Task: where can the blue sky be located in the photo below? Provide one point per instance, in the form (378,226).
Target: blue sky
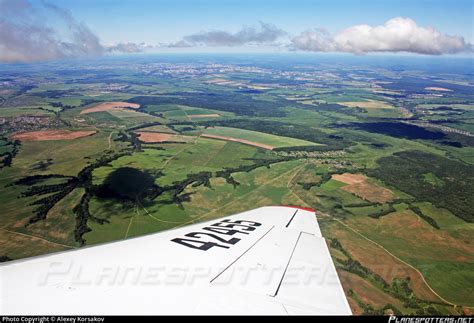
(38,30)
(153,21)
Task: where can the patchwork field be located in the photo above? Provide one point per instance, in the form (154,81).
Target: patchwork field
(155,137)
(108,106)
(51,135)
(242,141)
(198,116)
(368,104)
(359,185)
(253,138)
(384,155)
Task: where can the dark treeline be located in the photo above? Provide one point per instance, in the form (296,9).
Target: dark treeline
(202,178)
(144,125)
(399,287)
(238,103)
(81,210)
(332,142)
(34,179)
(308,185)
(132,138)
(334,107)
(406,171)
(425,217)
(226,173)
(7,157)
(368,309)
(47,203)
(398,130)
(383,212)
(56,192)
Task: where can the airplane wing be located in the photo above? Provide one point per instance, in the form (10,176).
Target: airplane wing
(271,260)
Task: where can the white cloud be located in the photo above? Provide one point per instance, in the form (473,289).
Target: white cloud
(128,47)
(27,34)
(396,35)
(264,34)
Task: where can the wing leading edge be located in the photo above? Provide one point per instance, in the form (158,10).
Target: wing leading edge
(271,260)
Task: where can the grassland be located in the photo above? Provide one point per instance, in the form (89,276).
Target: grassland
(401,238)
(254,136)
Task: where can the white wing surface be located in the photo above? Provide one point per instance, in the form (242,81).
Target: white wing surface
(271,260)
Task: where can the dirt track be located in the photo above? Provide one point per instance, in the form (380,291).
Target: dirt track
(242,141)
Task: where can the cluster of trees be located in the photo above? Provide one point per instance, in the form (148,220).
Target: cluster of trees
(383,212)
(62,106)
(334,107)
(226,173)
(406,170)
(399,130)
(47,203)
(56,192)
(84,179)
(7,157)
(81,210)
(355,267)
(425,217)
(399,288)
(338,246)
(132,138)
(370,310)
(144,125)
(238,103)
(198,179)
(308,185)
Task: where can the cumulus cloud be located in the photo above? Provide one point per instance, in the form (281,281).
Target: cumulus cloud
(27,34)
(179,44)
(128,47)
(396,35)
(264,34)
(82,40)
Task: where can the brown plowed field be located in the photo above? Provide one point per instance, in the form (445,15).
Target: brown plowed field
(358,185)
(150,137)
(52,135)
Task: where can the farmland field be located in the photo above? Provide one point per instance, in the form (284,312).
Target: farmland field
(93,155)
(254,136)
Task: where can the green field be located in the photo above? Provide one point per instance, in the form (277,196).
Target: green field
(254,136)
(411,254)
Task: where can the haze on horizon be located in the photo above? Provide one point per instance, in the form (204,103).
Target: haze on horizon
(40,30)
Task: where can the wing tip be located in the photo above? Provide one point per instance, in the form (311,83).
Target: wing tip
(299,207)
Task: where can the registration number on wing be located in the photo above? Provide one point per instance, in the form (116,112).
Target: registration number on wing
(222,234)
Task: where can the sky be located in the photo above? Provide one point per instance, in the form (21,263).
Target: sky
(168,20)
(100,27)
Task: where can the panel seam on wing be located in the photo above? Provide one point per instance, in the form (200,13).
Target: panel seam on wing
(233,262)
